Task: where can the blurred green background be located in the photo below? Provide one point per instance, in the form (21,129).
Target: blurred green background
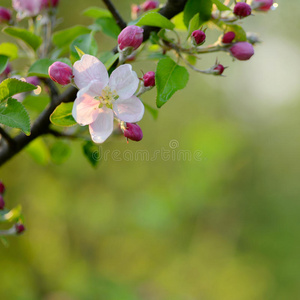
(224,226)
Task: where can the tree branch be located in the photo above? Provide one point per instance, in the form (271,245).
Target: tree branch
(119,20)
(7,137)
(41,125)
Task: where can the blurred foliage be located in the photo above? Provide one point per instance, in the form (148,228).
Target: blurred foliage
(222,226)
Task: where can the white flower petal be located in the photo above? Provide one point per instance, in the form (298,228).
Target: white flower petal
(129,110)
(85,108)
(95,88)
(103,126)
(124,81)
(87,69)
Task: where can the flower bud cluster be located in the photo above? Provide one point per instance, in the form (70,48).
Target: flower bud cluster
(137,10)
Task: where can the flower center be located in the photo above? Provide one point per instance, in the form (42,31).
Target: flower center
(107,97)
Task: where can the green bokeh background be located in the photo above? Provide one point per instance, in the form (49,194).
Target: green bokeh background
(223,226)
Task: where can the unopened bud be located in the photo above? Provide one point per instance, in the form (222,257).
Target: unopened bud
(198,37)
(60,73)
(149,79)
(135,11)
(219,69)
(148,5)
(262,5)
(131,36)
(49,3)
(242,10)
(2,188)
(33,80)
(2,203)
(19,228)
(5,15)
(27,8)
(133,132)
(228,37)
(242,50)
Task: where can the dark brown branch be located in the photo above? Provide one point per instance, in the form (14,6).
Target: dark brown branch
(9,140)
(41,125)
(119,20)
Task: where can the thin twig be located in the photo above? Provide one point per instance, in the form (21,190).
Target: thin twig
(120,22)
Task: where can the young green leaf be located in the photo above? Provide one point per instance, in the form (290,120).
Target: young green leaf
(60,151)
(151,110)
(155,19)
(3,62)
(194,24)
(12,86)
(108,26)
(86,43)
(11,215)
(62,116)
(111,61)
(14,114)
(220,5)
(169,78)
(92,153)
(192,7)
(26,36)
(97,12)
(10,50)
(65,37)
(39,151)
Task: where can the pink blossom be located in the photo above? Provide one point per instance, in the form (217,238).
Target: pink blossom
(27,8)
(198,37)
(228,37)
(149,4)
(133,132)
(242,50)
(149,79)
(131,36)
(5,15)
(60,73)
(242,9)
(100,99)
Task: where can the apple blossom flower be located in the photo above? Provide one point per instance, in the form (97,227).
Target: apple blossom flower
(60,73)
(133,132)
(131,36)
(27,8)
(149,79)
(100,99)
(149,5)
(198,37)
(228,37)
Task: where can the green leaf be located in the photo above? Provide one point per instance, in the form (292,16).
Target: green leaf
(111,61)
(26,36)
(169,78)
(155,19)
(62,116)
(60,151)
(39,151)
(220,5)
(92,153)
(86,43)
(79,51)
(203,7)
(11,215)
(97,12)
(108,26)
(194,24)
(151,110)
(65,37)
(3,62)
(10,50)
(178,21)
(14,114)
(12,86)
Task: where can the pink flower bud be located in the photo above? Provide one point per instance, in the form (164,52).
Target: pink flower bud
(242,50)
(2,188)
(242,9)
(133,132)
(131,36)
(5,15)
(263,5)
(2,203)
(49,3)
(27,8)
(228,37)
(148,5)
(60,73)
(149,79)
(19,228)
(219,69)
(33,80)
(198,37)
